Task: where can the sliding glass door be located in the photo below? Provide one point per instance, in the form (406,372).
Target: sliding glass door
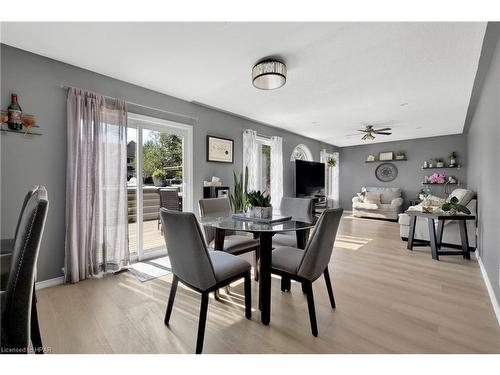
(159,173)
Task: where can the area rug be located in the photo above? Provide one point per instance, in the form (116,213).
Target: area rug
(151,269)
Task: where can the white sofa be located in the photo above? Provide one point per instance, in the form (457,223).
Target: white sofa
(451,232)
(390,206)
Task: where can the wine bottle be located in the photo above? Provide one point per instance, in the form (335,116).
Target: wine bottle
(15,114)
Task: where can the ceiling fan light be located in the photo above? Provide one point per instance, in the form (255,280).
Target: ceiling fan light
(269,75)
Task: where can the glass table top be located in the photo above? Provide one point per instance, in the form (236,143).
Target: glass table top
(227,222)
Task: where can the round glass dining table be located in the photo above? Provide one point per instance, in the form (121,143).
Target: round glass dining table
(264,232)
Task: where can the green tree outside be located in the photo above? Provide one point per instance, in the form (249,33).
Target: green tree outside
(162,152)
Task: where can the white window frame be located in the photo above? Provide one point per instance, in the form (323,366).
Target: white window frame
(305,149)
(261,141)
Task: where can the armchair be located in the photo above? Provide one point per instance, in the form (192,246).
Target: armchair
(388,206)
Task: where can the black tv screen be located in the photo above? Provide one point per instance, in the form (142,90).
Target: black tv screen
(309,178)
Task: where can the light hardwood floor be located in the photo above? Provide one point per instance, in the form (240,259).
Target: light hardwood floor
(389,300)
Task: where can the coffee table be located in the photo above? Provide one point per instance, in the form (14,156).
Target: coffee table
(435,239)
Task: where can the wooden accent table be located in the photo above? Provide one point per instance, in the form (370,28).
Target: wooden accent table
(435,239)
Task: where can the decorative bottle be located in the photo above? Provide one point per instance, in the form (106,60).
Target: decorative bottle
(15,114)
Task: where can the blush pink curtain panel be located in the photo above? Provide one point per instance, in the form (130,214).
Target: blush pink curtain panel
(96,186)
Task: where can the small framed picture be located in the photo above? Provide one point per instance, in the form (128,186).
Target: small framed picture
(220,150)
(388,155)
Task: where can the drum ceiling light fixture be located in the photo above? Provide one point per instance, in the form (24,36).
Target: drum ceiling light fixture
(269,74)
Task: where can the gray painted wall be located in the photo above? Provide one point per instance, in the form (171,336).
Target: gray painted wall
(355,173)
(483,175)
(42,160)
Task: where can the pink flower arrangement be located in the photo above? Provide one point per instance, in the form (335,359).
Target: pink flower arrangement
(437,178)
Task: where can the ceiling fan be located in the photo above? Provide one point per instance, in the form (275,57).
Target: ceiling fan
(370,131)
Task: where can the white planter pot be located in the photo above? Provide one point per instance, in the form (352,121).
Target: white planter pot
(261,212)
(440,165)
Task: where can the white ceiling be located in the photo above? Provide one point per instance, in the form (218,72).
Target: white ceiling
(341,76)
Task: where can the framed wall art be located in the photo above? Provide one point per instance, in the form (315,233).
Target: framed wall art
(220,150)
(384,156)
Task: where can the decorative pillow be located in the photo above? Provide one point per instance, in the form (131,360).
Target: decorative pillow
(372,197)
(361,196)
(388,194)
(464,196)
(432,200)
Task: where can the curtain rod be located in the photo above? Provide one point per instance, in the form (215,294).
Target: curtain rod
(263,136)
(195,119)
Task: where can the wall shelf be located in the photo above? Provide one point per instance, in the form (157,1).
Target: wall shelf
(24,130)
(385,161)
(457,167)
(431,183)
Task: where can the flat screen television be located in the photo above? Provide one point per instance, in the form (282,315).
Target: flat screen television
(309,178)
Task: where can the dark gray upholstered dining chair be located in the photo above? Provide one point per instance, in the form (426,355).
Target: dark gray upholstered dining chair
(300,209)
(7,244)
(196,267)
(309,264)
(234,243)
(16,301)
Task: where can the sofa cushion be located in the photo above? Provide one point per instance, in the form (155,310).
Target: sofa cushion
(388,207)
(372,197)
(464,196)
(387,194)
(364,206)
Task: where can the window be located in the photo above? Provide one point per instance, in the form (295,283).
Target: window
(264,163)
(301,152)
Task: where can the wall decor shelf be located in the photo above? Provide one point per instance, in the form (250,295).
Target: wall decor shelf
(384,161)
(432,183)
(23,131)
(456,167)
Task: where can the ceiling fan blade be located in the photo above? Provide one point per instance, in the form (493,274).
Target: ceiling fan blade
(363,131)
(382,130)
(383,133)
(351,135)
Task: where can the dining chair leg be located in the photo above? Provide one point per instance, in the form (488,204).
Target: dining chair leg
(36,337)
(171,298)
(248,296)
(310,304)
(202,322)
(286,284)
(328,282)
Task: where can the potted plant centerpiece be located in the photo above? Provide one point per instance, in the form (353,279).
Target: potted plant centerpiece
(159,178)
(259,204)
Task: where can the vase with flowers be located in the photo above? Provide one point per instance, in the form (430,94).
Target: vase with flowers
(437,178)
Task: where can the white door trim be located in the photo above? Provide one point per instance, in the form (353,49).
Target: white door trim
(185,131)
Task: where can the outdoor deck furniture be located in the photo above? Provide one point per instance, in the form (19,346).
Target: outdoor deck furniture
(169,199)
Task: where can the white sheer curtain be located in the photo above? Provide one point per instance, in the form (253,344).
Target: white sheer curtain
(250,158)
(96,186)
(332,187)
(276,172)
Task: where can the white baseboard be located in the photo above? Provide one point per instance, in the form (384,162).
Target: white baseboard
(48,283)
(491,292)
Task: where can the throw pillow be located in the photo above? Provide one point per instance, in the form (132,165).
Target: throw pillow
(464,196)
(372,197)
(432,200)
(361,196)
